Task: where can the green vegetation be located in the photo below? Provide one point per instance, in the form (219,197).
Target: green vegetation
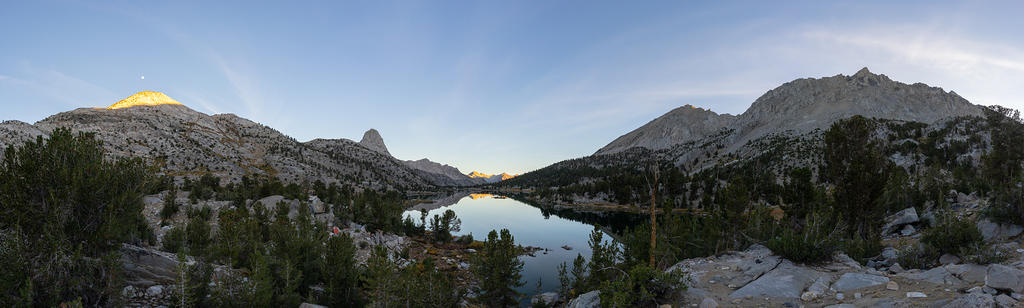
(64,210)
(170,206)
(497,269)
(854,165)
(443,226)
(952,235)
(1003,165)
(621,284)
(815,241)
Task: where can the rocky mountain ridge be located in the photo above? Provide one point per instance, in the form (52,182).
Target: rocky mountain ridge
(801,106)
(488,178)
(441,174)
(185,142)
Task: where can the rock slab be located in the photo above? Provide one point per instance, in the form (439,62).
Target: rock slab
(853,281)
(1002,277)
(785,281)
(590,299)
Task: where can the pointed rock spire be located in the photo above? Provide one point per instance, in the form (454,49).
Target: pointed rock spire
(863,72)
(373,141)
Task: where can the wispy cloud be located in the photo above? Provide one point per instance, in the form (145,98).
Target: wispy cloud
(951,53)
(984,72)
(70,90)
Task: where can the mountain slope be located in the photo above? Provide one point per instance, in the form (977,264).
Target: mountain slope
(439,174)
(186,142)
(687,123)
(801,106)
(781,131)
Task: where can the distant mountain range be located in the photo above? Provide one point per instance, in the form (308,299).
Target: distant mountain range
(491,178)
(801,106)
(694,138)
(183,142)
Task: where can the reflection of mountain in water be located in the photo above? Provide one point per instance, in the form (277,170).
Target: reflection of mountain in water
(615,222)
(439,202)
(478,196)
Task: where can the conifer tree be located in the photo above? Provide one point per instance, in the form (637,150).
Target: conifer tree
(497,269)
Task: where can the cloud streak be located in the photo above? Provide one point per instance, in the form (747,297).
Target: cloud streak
(70,90)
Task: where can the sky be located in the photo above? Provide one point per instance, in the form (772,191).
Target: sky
(492,86)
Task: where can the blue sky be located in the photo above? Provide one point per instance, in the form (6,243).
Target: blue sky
(492,86)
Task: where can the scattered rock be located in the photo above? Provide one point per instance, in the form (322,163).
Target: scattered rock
(308,305)
(947,259)
(938,275)
(896,268)
(892,285)
(590,299)
(317,205)
(708,303)
(907,230)
(993,231)
(1003,277)
(894,221)
(817,289)
(853,281)
(971,300)
(916,295)
(844,259)
(547,298)
(841,306)
(989,290)
(155,291)
(971,273)
(1005,301)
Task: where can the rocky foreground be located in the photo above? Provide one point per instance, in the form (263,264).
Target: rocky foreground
(758,278)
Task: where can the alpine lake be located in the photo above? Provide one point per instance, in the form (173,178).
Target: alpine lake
(561,235)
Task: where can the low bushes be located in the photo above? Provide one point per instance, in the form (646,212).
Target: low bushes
(952,235)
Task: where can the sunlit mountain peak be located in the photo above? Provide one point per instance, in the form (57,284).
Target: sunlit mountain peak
(145,98)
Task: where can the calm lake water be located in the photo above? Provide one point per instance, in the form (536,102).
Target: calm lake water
(530,227)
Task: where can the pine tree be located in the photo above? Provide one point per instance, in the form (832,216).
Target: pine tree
(497,269)
(379,277)
(341,274)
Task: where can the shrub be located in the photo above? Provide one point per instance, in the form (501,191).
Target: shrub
(170,206)
(951,234)
(174,240)
(202,213)
(917,257)
(815,242)
(861,249)
(979,254)
(641,287)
